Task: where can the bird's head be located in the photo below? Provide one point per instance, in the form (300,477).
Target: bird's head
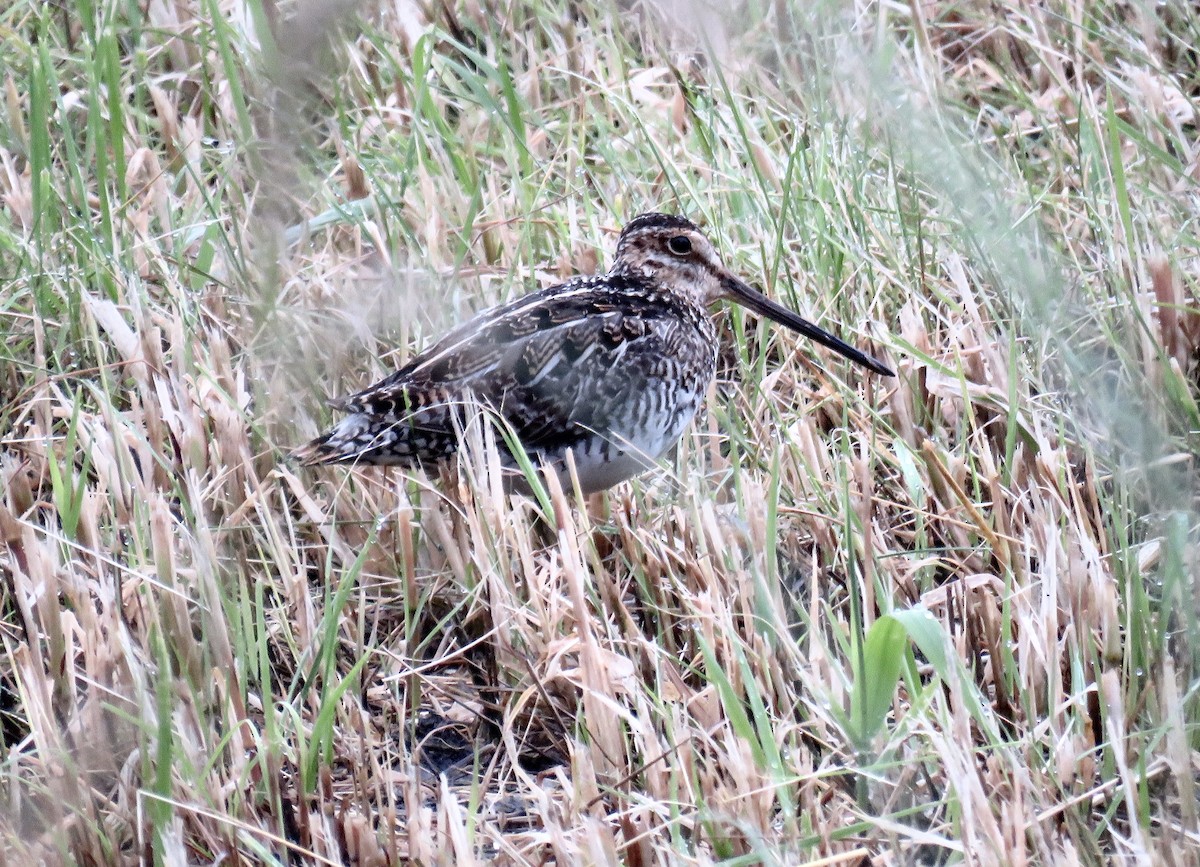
(672,253)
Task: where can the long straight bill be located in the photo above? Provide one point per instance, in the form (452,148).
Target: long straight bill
(764,306)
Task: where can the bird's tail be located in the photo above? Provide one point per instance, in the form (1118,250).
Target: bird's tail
(318,451)
(358,438)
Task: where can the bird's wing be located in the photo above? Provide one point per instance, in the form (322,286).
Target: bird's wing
(554,364)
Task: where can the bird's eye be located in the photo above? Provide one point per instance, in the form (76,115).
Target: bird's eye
(680,245)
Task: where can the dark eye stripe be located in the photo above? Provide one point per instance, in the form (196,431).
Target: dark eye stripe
(680,245)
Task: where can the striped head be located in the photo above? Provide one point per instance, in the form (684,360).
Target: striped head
(672,254)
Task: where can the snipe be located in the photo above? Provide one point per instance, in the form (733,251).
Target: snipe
(612,367)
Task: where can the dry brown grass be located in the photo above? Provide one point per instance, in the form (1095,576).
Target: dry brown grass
(950,617)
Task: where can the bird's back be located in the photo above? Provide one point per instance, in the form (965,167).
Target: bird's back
(611,367)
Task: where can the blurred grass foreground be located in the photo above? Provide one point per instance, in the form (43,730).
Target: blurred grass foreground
(945,618)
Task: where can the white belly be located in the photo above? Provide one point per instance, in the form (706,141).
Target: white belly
(605,461)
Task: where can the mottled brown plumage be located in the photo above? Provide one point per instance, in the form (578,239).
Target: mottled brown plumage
(612,367)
